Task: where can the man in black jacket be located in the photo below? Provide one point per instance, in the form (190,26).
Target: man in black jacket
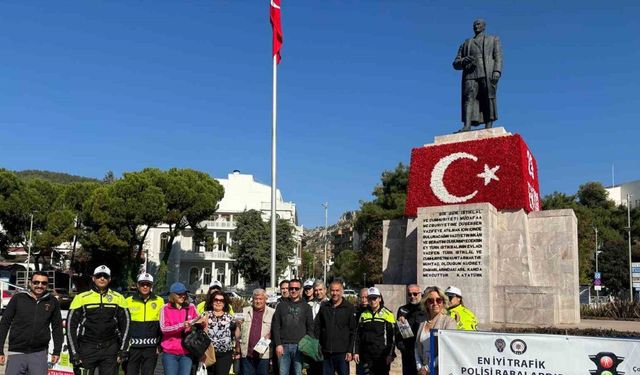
(411,314)
(335,327)
(29,315)
(291,322)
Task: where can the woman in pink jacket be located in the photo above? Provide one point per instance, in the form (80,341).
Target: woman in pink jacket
(175,319)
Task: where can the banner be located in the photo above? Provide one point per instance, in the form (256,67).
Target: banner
(64,366)
(488,353)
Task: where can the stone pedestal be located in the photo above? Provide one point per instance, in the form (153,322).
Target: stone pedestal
(512,267)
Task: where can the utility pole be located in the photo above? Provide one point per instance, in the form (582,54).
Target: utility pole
(326,208)
(597,253)
(29,251)
(629,236)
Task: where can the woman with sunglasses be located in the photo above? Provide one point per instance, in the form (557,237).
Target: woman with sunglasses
(434,302)
(175,319)
(221,328)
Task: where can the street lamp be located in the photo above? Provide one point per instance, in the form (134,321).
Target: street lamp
(29,246)
(629,236)
(597,287)
(326,207)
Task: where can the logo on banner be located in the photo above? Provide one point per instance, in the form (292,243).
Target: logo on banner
(606,363)
(518,346)
(500,344)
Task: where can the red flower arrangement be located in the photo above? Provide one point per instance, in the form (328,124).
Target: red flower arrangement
(501,171)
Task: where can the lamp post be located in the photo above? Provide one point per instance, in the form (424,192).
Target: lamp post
(326,207)
(29,246)
(629,237)
(597,253)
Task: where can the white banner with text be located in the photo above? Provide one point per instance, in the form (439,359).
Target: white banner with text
(489,353)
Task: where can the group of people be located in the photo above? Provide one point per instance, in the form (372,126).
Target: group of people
(310,326)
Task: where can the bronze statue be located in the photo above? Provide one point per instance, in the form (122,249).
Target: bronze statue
(480,59)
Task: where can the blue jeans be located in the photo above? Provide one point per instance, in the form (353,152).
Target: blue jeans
(254,366)
(291,355)
(176,364)
(335,362)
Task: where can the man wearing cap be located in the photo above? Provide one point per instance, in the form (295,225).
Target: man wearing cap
(98,327)
(27,319)
(465,318)
(412,314)
(144,308)
(291,322)
(375,336)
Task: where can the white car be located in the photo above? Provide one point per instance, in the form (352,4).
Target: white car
(350,293)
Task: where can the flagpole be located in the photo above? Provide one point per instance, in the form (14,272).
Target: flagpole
(273,174)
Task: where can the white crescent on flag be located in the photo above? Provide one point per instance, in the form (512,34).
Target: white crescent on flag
(437,177)
(273,4)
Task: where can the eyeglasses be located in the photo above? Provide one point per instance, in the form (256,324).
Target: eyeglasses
(414,294)
(433,301)
(102,276)
(218,300)
(294,288)
(144,285)
(38,282)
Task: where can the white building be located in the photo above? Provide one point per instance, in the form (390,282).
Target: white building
(618,193)
(198,264)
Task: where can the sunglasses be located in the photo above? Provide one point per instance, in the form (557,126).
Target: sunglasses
(147,285)
(371,298)
(414,294)
(294,288)
(102,276)
(433,301)
(37,282)
(218,300)
(181,295)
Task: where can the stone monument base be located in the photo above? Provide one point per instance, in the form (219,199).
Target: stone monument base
(512,267)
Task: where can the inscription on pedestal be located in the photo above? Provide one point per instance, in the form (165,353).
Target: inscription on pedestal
(452,244)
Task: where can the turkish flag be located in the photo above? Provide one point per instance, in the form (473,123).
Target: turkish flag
(276,26)
(500,170)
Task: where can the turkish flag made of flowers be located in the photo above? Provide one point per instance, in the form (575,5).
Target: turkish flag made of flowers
(500,170)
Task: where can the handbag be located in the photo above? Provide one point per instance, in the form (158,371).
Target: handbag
(195,341)
(210,356)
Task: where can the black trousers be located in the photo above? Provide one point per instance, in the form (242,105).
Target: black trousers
(222,365)
(101,356)
(142,361)
(376,366)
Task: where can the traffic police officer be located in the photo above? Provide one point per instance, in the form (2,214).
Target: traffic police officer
(465,318)
(144,308)
(98,327)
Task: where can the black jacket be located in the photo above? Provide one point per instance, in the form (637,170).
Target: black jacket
(335,327)
(291,322)
(30,321)
(414,315)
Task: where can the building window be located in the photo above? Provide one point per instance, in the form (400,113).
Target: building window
(220,273)
(234,277)
(206,276)
(194,275)
(164,241)
(222,242)
(209,243)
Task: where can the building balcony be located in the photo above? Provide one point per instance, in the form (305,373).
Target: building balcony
(216,224)
(205,255)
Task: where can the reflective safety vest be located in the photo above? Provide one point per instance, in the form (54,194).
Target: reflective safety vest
(465,318)
(145,317)
(375,336)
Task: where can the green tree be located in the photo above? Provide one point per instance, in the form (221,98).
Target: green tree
(593,195)
(251,247)
(190,197)
(347,265)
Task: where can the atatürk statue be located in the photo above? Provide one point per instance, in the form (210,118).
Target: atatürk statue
(480,59)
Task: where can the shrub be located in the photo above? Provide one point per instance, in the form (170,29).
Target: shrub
(622,310)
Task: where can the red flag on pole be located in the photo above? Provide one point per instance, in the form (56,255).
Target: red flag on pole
(276,25)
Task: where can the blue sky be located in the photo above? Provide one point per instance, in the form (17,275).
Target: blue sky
(92,86)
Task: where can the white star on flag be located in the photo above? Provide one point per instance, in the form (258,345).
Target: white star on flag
(489,174)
